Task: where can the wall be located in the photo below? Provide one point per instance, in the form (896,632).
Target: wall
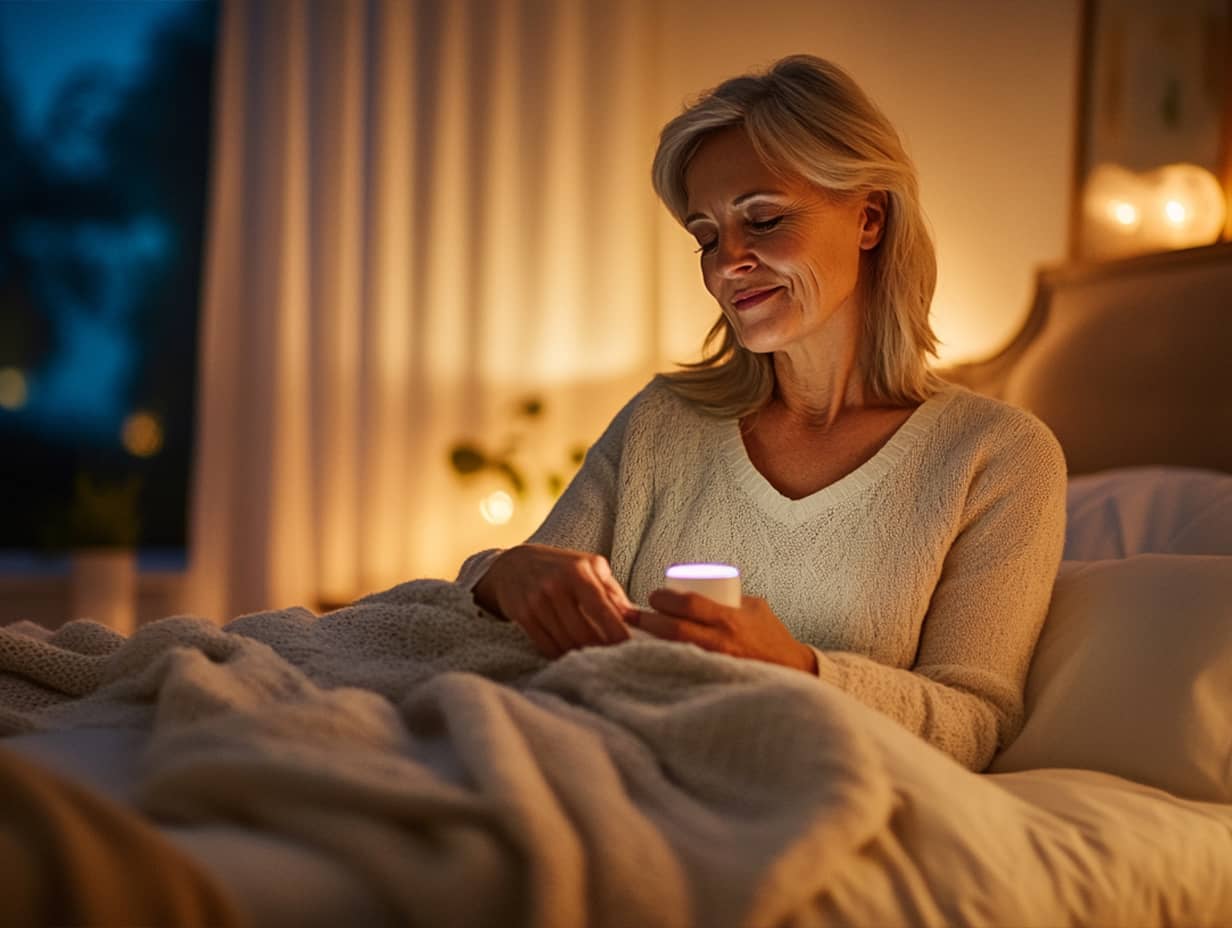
(984,94)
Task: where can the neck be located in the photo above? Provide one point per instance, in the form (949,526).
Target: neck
(817,395)
(816,382)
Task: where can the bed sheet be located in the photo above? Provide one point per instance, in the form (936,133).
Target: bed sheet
(1148,510)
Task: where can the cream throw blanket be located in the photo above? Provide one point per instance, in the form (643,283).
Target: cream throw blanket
(470,782)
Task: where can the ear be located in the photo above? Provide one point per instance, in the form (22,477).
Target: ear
(872,219)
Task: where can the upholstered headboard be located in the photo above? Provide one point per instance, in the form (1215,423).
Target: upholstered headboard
(1129,362)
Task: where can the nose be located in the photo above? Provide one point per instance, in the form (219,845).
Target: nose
(733,257)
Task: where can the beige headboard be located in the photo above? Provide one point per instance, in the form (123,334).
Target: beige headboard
(1129,362)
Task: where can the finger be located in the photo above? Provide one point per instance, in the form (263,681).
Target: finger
(540,614)
(594,590)
(542,641)
(567,622)
(614,630)
(613,606)
(591,621)
(597,615)
(616,593)
(603,615)
(689,605)
(558,610)
(557,623)
(674,628)
(619,604)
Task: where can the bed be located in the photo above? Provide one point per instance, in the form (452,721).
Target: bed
(304,770)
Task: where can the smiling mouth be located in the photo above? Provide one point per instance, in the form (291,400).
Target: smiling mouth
(749,300)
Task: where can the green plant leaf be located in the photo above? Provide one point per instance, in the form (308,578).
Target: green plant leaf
(516,480)
(467,459)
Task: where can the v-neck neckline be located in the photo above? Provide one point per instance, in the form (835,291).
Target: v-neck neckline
(795,511)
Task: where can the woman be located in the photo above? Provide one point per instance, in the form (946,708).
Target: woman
(898,536)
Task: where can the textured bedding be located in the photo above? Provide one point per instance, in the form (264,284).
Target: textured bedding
(427,749)
(71,857)
(1148,510)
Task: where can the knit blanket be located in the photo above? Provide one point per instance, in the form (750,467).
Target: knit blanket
(468,781)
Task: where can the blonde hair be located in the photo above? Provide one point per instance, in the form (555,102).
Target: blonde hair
(806,116)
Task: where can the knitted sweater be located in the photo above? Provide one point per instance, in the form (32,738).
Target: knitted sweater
(922,578)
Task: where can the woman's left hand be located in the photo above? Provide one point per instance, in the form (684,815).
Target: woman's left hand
(752,630)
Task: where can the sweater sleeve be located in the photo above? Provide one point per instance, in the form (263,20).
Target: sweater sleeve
(584,517)
(964,693)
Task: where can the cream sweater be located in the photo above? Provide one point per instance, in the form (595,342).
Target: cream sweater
(922,578)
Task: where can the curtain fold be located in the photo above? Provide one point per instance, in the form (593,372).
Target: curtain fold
(420,213)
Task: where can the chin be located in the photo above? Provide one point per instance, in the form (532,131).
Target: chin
(762,340)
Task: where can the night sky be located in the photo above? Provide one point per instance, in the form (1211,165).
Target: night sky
(104,157)
(44,42)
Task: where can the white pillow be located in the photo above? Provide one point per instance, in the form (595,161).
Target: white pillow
(1148,510)
(1133,675)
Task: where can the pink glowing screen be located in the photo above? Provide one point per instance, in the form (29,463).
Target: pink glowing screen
(702,571)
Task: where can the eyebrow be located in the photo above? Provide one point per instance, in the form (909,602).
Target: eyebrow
(736,202)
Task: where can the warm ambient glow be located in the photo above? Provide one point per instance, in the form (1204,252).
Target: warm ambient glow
(12,388)
(142,435)
(702,572)
(496,508)
(1174,206)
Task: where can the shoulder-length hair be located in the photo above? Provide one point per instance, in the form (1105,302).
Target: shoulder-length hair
(805,116)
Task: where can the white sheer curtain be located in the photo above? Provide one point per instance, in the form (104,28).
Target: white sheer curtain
(420,212)
(424,209)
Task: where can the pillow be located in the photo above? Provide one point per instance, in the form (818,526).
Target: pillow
(1148,510)
(1133,675)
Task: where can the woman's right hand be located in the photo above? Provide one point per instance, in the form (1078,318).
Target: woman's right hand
(562,599)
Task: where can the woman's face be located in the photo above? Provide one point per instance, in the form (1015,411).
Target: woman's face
(781,256)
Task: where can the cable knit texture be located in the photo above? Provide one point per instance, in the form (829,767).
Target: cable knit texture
(922,578)
(469,781)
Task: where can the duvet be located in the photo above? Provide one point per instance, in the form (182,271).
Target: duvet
(467,781)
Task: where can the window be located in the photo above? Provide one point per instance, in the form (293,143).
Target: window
(104,154)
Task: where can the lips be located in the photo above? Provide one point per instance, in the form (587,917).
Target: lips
(747,299)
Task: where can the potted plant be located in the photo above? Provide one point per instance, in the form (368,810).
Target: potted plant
(99,530)
(513,464)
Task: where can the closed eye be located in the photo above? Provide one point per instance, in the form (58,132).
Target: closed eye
(765,225)
(759,226)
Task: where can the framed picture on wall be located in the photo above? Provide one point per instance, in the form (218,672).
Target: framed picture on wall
(1154,143)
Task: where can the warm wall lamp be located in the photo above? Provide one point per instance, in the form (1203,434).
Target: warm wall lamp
(1153,165)
(1174,206)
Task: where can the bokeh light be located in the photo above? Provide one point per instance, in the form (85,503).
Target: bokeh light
(496,508)
(12,388)
(142,435)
